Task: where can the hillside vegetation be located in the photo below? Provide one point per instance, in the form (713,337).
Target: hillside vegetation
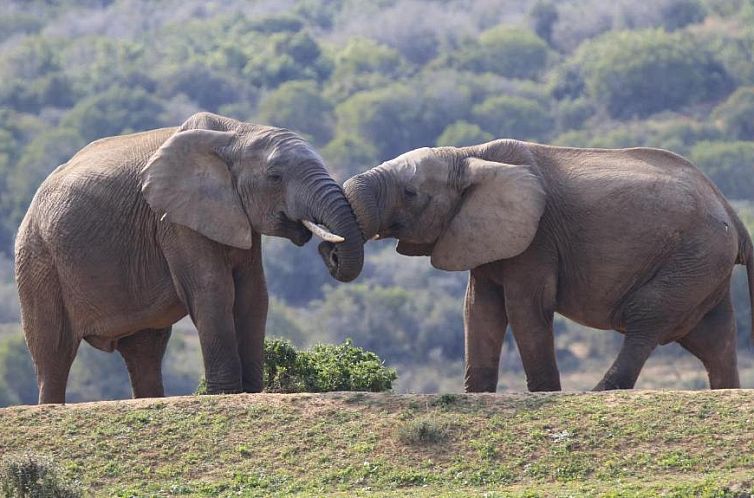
(365,81)
(609,444)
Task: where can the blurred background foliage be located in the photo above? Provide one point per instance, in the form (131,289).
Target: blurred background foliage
(366,81)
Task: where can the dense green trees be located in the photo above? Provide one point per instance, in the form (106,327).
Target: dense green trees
(635,74)
(300,106)
(510,52)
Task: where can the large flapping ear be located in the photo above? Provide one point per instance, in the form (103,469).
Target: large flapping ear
(188,182)
(498,217)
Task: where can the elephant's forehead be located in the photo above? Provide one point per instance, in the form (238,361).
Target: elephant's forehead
(418,166)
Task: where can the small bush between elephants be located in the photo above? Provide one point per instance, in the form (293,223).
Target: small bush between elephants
(325,368)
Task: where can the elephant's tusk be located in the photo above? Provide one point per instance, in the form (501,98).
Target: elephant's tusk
(376,237)
(322,232)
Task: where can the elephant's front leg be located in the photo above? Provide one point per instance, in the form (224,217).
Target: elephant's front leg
(250,314)
(530,304)
(485,322)
(203,279)
(213,317)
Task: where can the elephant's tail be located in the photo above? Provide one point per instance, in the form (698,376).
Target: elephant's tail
(750,272)
(746,257)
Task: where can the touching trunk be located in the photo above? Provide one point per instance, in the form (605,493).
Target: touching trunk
(326,204)
(362,194)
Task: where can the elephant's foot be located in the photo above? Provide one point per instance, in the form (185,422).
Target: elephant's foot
(481,379)
(547,385)
(223,389)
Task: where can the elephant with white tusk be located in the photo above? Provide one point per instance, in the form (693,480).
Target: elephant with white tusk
(636,240)
(136,231)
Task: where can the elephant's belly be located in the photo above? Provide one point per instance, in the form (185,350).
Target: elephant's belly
(591,307)
(104,314)
(596,319)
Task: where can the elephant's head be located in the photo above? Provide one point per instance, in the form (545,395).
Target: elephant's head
(223,179)
(464,207)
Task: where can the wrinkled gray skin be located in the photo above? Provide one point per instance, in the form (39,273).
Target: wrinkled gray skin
(136,231)
(636,240)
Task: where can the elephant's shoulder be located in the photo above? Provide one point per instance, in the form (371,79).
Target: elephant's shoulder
(107,155)
(147,141)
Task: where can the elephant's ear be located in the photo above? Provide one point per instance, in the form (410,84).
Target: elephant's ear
(497,219)
(188,182)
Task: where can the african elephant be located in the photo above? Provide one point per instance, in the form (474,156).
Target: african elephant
(637,240)
(136,231)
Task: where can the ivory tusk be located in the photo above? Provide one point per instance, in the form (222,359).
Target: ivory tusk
(376,237)
(322,232)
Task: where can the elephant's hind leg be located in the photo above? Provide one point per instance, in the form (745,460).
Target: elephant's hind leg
(49,337)
(143,353)
(713,341)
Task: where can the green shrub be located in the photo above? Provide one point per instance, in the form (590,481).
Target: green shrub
(299,106)
(325,368)
(505,116)
(510,52)
(28,476)
(424,430)
(284,370)
(638,73)
(345,367)
(736,115)
(729,165)
(462,133)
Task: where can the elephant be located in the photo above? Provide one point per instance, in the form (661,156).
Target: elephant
(636,240)
(135,232)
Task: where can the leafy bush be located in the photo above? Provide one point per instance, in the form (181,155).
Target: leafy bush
(640,73)
(115,111)
(513,117)
(462,133)
(399,117)
(299,106)
(27,476)
(572,114)
(736,114)
(327,367)
(729,165)
(424,430)
(17,372)
(511,52)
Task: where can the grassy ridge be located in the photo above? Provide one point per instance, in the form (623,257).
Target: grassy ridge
(627,443)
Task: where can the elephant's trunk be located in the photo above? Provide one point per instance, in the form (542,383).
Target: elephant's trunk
(363,193)
(325,203)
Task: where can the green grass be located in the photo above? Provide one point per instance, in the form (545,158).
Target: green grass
(612,444)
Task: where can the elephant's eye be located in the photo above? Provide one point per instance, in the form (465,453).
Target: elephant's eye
(409,192)
(274,177)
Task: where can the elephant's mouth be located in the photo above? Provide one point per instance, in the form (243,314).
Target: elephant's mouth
(300,231)
(292,230)
(392,231)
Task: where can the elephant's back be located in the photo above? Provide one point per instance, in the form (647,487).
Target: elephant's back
(100,181)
